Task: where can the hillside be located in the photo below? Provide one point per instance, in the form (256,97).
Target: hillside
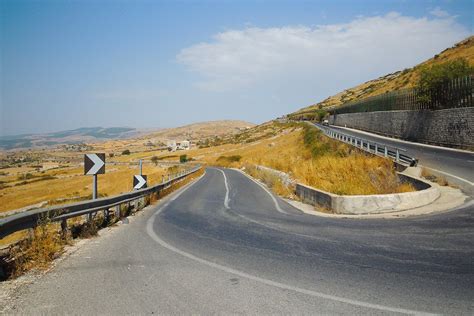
(406,78)
(197,131)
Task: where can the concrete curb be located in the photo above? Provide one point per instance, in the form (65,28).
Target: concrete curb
(370,204)
(365,204)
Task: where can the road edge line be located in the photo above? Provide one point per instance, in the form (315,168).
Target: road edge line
(277,205)
(161,242)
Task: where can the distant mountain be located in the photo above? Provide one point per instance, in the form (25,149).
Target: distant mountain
(201,130)
(89,135)
(75,136)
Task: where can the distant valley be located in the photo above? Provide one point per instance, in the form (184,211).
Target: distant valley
(75,136)
(90,135)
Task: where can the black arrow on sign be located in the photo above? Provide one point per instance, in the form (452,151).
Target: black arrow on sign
(139,182)
(94,164)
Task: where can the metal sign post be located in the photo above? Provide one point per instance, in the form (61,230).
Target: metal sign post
(94,164)
(94,187)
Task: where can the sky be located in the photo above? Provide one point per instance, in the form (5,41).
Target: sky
(154,64)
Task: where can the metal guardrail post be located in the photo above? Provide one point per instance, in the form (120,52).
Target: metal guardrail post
(64,227)
(117,211)
(378,148)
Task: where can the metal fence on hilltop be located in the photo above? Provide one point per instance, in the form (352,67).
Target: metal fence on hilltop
(456,93)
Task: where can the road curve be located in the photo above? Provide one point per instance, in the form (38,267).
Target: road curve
(454,162)
(225,245)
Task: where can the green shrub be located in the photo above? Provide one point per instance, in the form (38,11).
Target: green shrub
(26,176)
(319,145)
(183,158)
(433,80)
(321,115)
(126,152)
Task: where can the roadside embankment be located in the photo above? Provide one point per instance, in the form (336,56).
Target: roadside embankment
(315,160)
(426,194)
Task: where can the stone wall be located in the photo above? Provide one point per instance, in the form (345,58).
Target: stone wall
(449,127)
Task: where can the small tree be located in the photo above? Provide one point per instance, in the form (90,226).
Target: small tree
(321,114)
(183,158)
(126,152)
(433,80)
(154,159)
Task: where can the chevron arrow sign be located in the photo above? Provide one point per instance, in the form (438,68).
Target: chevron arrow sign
(139,182)
(94,164)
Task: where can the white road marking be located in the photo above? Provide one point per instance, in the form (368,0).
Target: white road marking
(226,199)
(277,206)
(451,175)
(156,238)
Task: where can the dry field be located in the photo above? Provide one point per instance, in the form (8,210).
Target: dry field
(25,186)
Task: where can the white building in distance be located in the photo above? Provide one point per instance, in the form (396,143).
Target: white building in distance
(173,145)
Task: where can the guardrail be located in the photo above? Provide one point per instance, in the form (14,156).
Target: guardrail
(30,219)
(378,149)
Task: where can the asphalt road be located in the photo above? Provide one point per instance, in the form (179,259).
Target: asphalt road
(454,162)
(225,245)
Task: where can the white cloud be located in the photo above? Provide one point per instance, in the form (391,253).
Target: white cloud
(348,53)
(439,13)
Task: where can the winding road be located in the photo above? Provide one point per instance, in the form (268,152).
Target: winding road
(224,244)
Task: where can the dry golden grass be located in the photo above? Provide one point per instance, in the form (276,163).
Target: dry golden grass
(341,170)
(425,173)
(271,180)
(38,251)
(22,234)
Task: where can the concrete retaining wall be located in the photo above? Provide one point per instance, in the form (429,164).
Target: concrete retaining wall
(363,204)
(370,204)
(284,177)
(449,127)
